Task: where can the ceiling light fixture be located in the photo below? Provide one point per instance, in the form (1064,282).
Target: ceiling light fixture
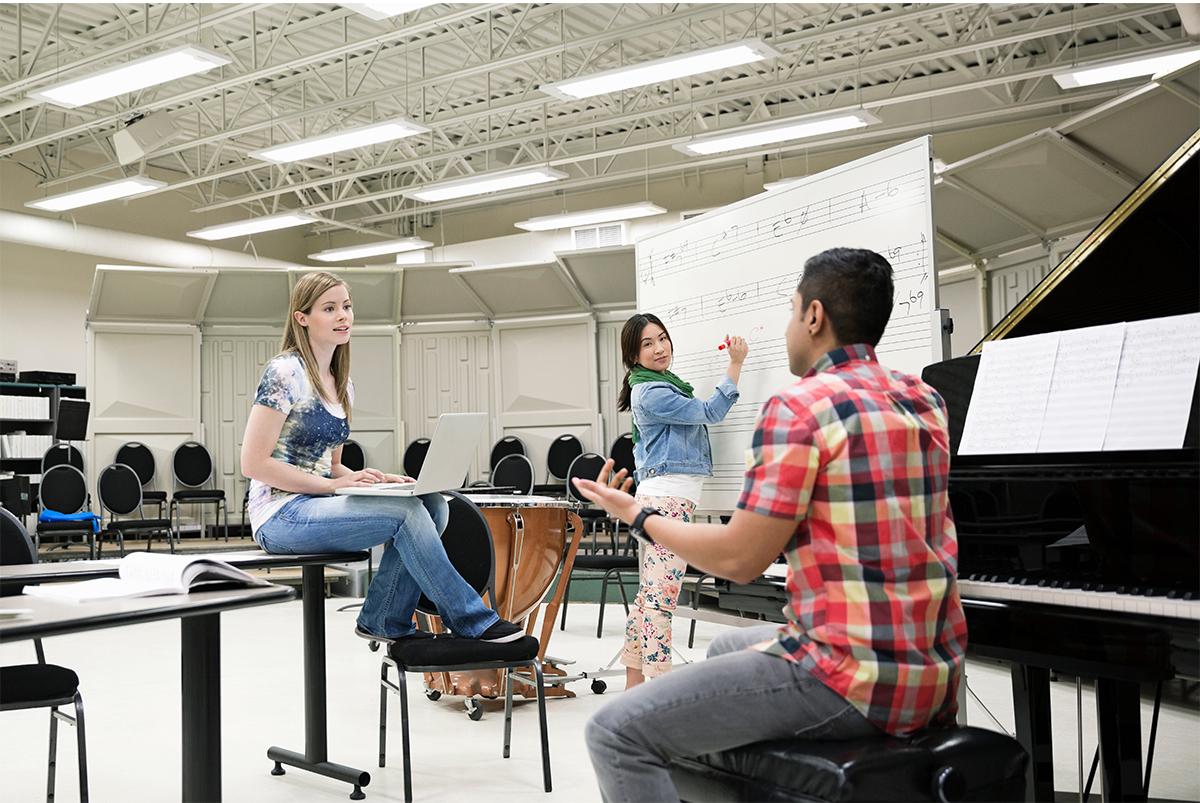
(168,65)
(371,249)
(1121,69)
(124,188)
(488,182)
(733,54)
(777,131)
(588,217)
(381,11)
(343,140)
(238,228)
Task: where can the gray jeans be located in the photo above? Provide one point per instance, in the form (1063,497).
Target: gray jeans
(736,697)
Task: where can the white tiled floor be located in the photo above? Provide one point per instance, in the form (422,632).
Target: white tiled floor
(130,682)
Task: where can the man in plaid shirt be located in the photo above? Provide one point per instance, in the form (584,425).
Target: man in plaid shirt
(847,476)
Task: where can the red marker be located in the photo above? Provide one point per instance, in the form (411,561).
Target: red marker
(723,345)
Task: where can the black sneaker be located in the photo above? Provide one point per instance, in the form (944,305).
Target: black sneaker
(416,634)
(501,632)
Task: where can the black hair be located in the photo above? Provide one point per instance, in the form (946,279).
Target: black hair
(631,347)
(855,287)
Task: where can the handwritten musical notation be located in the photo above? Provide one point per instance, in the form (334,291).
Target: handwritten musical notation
(859,205)
(734,272)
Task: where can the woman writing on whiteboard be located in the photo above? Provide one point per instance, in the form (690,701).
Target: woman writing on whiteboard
(672,457)
(292,454)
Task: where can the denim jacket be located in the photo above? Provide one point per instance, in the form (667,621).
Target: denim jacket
(673,435)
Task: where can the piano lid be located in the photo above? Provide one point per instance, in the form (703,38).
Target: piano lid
(1142,261)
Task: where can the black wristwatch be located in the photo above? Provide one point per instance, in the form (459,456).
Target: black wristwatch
(637,528)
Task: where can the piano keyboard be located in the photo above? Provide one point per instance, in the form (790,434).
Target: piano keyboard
(1077,598)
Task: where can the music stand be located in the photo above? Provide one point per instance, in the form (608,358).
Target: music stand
(71,422)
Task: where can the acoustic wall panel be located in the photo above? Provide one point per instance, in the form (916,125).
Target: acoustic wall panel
(445,372)
(611,376)
(232,365)
(546,384)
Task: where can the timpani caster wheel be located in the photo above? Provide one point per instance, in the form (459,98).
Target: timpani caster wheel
(433,695)
(474,709)
(599,686)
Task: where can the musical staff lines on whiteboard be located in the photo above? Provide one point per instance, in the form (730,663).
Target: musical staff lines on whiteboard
(862,204)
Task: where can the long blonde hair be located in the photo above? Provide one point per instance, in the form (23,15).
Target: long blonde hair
(295,337)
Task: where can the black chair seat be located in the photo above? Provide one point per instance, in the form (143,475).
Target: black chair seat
(64,526)
(130,525)
(154,496)
(445,651)
(199,495)
(963,763)
(36,683)
(592,514)
(605,562)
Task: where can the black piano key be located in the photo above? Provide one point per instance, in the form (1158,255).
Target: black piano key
(1087,586)
(1174,593)
(1189,595)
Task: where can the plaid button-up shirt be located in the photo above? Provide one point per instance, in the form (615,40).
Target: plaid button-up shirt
(859,457)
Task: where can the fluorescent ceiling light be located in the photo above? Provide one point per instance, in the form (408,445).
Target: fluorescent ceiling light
(589,216)
(1121,69)
(100,193)
(666,69)
(166,66)
(782,184)
(478,185)
(371,249)
(381,11)
(779,131)
(223,231)
(343,140)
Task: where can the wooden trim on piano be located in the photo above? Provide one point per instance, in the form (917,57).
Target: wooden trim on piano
(1093,240)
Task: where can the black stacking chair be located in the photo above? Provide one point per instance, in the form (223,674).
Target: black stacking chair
(62,454)
(414,457)
(468,542)
(563,450)
(610,564)
(193,468)
(509,444)
(63,489)
(514,471)
(40,685)
(139,458)
(353,457)
(119,489)
(621,453)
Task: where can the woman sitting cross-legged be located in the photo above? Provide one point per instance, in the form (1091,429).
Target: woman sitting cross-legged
(292,454)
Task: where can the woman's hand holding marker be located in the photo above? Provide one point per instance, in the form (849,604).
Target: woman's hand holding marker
(738,349)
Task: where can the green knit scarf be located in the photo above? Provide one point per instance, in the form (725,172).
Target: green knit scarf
(639,375)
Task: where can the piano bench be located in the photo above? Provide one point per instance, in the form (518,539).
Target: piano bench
(955,764)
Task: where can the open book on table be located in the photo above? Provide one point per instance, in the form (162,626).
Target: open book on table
(148,574)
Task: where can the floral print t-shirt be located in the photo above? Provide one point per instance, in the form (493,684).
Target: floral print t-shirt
(312,430)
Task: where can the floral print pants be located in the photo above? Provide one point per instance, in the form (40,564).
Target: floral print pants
(648,629)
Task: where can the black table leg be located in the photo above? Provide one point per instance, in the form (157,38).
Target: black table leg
(1118,708)
(1031,705)
(316,750)
(200,657)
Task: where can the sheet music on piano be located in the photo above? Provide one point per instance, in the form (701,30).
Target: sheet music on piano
(1102,388)
(1011,392)
(1153,395)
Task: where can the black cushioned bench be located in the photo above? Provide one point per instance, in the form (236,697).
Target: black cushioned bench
(956,764)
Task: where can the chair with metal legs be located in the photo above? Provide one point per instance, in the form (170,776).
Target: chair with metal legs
(63,490)
(139,457)
(40,685)
(468,542)
(119,490)
(193,468)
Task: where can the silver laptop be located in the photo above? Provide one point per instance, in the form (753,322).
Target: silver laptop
(446,464)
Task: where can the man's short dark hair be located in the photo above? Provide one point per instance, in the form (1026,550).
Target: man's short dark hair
(855,287)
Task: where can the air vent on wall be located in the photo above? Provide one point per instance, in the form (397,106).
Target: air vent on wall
(602,236)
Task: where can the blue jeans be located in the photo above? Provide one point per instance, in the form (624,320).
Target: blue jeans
(738,696)
(415,563)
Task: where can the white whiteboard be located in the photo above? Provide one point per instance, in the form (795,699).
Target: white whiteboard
(733,271)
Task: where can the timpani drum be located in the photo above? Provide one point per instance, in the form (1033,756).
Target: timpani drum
(533,538)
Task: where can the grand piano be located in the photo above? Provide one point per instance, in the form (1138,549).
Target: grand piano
(1082,564)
